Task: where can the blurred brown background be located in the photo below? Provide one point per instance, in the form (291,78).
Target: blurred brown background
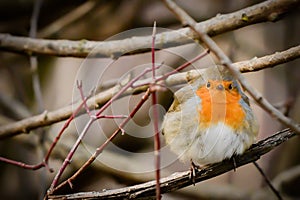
(98,20)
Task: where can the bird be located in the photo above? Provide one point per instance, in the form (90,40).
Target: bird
(210,119)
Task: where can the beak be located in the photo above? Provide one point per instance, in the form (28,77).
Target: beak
(220,87)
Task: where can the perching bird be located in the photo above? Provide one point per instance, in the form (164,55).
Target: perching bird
(210,119)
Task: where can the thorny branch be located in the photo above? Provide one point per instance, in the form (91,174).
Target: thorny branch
(181,179)
(51,117)
(270,10)
(188,20)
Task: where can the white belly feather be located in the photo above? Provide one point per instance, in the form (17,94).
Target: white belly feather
(211,146)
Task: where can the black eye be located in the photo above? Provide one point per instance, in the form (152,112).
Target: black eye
(208,84)
(230,86)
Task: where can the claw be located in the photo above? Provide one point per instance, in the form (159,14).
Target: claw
(194,168)
(234,163)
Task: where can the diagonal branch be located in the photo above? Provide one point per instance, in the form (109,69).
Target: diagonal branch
(51,117)
(67,19)
(270,10)
(182,179)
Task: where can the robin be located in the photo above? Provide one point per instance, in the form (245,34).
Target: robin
(210,119)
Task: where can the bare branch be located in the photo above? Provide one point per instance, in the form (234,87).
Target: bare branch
(155,117)
(181,179)
(14,106)
(48,118)
(270,10)
(67,19)
(268,61)
(101,148)
(33,59)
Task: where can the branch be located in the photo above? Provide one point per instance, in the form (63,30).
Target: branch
(155,117)
(268,61)
(182,179)
(67,19)
(48,118)
(270,10)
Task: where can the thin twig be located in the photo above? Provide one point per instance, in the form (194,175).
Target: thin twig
(185,65)
(44,163)
(270,10)
(65,126)
(33,59)
(87,126)
(37,87)
(67,19)
(267,181)
(181,179)
(79,87)
(14,107)
(155,118)
(187,20)
(48,118)
(22,164)
(101,148)
(70,155)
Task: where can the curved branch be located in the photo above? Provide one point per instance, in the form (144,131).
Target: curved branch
(48,118)
(182,179)
(270,10)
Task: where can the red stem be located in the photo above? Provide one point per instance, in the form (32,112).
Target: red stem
(112,116)
(155,117)
(79,86)
(46,159)
(67,160)
(153,51)
(87,126)
(21,164)
(121,126)
(101,148)
(181,67)
(121,91)
(156,144)
(67,123)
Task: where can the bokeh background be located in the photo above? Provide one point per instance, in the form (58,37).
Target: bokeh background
(132,153)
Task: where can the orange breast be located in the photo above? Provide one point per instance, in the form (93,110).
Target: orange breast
(220,106)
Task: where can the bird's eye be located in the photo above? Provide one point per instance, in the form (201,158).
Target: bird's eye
(208,84)
(230,86)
